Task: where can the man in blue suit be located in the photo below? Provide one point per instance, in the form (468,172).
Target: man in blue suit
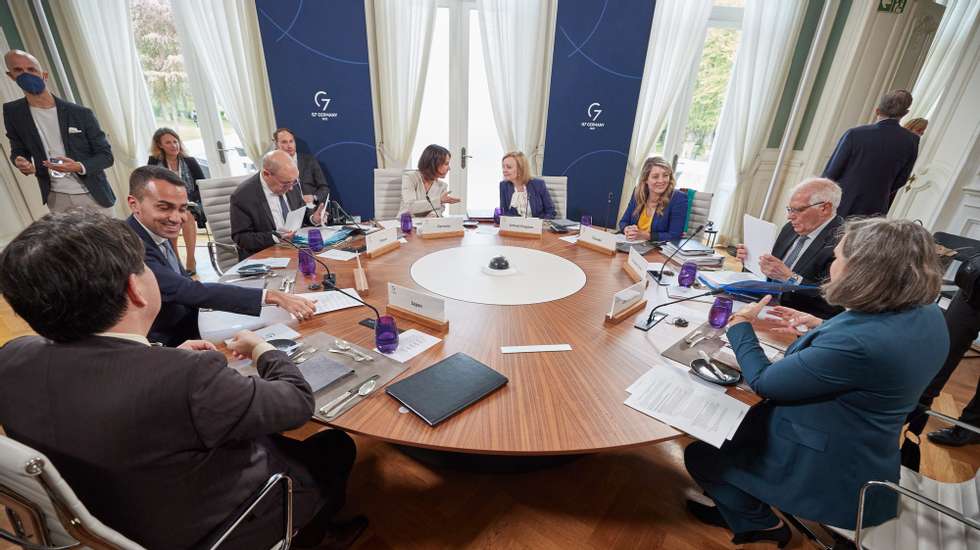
(59,142)
(871,163)
(158,200)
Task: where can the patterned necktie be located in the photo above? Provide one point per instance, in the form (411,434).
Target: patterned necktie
(168,253)
(795,251)
(284,207)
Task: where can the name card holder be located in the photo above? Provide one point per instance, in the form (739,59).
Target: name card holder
(524,228)
(633,296)
(381,242)
(413,305)
(441,228)
(600,241)
(632,266)
(360,278)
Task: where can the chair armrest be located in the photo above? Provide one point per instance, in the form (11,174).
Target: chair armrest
(213,254)
(953,421)
(250,505)
(942,509)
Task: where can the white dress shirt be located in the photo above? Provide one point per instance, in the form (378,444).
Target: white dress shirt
(274,207)
(811,237)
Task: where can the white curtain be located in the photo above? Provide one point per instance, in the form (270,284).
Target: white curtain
(769,31)
(403,33)
(944,56)
(99,45)
(518,38)
(225,36)
(666,75)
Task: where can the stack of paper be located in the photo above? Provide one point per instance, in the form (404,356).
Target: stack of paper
(674,397)
(329,300)
(703,256)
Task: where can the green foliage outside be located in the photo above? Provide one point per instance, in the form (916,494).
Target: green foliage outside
(709,91)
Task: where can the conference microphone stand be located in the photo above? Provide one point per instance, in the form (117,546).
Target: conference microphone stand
(651,320)
(659,275)
(436,212)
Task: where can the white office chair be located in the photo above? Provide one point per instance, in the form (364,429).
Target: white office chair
(387,193)
(215,199)
(46,514)
(558,190)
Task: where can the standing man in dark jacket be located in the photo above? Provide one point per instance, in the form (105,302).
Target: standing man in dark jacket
(871,163)
(311,179)
(59,142)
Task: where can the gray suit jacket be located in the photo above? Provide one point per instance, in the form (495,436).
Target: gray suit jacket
(311,177)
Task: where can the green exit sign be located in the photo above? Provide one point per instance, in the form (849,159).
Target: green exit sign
(892,6)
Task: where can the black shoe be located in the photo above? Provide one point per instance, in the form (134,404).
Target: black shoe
(341,535)
(954,437)
(780,535)
(706,514)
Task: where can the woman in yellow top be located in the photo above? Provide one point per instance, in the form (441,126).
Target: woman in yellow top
(656,211)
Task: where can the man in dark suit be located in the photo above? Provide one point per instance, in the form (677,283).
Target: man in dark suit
(164,445)
(158,200)
(804,248)
(59,142)
(261,203)
(871,163)
(311,178)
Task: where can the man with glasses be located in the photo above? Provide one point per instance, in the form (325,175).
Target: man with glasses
(804,248)
(261,204)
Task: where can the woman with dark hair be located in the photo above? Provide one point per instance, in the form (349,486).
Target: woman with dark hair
(424,192)
(836,402)
(656,211)
(168,151)
(520,194)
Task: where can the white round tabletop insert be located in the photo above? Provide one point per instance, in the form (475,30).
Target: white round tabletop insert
(533,277)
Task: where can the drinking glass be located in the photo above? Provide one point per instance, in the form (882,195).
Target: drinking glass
(720,311)
(689,272)
(586,220)
(307,265)
(496,215)
(406,219)
(386,334)
(315,240)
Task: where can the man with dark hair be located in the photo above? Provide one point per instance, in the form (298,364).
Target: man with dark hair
(314,185)
(164,445)
(158,200)
(871,163)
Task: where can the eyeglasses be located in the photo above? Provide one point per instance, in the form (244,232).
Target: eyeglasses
(791,210)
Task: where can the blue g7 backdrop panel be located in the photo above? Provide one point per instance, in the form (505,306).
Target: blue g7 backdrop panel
(600,50)
(317,57)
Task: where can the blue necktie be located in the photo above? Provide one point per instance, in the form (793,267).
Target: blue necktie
(168,253)
(795,251)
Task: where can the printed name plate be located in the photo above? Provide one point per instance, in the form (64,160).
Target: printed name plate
(435,226)
(380,239)
(417,302)
(627,297)
(598,239)
(516,224)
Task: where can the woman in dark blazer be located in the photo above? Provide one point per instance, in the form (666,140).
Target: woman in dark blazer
(656,211)
(835,404)
(167,150)
(520,194)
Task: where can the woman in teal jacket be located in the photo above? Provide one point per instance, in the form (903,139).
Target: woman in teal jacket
(835,404)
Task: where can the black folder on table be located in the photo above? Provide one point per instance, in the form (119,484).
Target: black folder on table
(444,389)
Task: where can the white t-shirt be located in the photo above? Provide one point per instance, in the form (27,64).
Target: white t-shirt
(46,121)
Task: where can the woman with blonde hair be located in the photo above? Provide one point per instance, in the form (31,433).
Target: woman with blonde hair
(167,150)
(520,194)
(656,211)
(917,126)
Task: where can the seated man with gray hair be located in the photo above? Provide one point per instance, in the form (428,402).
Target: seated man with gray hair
(804,248)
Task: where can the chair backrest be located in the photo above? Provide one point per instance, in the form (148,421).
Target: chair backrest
(558,190)
(387,193)
(215,198)
(29,475)
(698,207)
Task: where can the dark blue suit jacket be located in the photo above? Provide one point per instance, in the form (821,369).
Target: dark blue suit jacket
(537,196)
(89,146)
(664,227)
(833,412)
(183,296)
(871,163)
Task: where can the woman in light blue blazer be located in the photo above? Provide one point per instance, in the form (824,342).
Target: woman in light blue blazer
(520,194)
(835,404)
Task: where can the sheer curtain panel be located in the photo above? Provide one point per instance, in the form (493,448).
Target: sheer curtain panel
(944,56)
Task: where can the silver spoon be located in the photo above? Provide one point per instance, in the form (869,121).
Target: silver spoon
(366,388)
(343,345)
(356,358)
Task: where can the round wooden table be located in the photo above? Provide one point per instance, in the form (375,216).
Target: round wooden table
(554,403)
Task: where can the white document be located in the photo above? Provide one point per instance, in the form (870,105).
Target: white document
(403,240)
(598,238)
(331,300)
(535,349)
(340,255)
(760,236)
(277,331)
(517,224)
(390,224)
(435,226)
(672,396)
(411,343)
(418,302)
(621,238)
(627,297)
(218,326)
(294,220)
(378,239)
(719,278)
(569,239)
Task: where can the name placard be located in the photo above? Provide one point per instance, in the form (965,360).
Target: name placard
(441,226)
(595,239)
(627,301)
(416,302)
(382,241)
(636,265)
(516,226)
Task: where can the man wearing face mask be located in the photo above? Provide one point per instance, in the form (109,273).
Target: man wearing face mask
(59,142)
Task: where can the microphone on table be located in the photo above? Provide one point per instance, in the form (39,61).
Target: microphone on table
(650,322)
(438,215)
(660,274)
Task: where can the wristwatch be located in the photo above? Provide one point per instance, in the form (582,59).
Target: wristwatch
(795,279)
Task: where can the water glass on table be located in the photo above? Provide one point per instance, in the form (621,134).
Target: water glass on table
(496,215)
(406,221)
(586,220)
(720,312)
(689,272)
(315,240)
(386,334)
(307,265)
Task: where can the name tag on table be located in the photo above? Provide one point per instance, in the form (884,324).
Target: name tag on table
(516,224)
(627,297)
(417,302)
(380,239)
(435,226)
(390,224)
(638,262)
(601,239)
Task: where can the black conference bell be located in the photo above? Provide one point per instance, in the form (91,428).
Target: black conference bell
(499,263)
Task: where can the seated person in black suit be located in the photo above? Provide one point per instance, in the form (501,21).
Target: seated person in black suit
(314,185)
(804,248)
(161,444)
(260,204)
(158,200)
